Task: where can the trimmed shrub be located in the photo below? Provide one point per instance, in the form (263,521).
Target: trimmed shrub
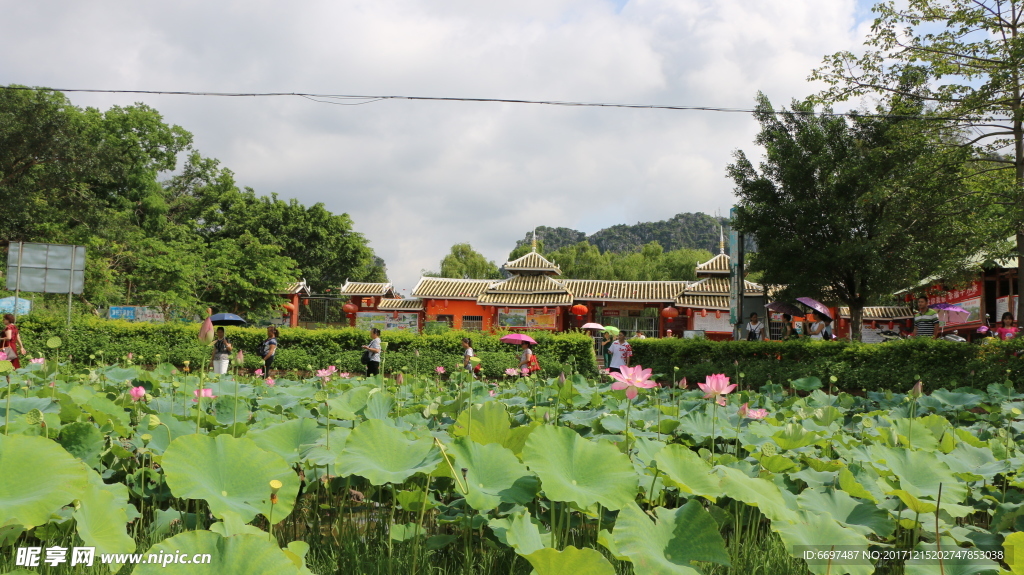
(300,349)
(856,366)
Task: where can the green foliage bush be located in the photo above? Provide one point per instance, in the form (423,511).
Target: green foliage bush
(300,349)
(894,365)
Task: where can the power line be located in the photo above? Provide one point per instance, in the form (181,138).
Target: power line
(361,100)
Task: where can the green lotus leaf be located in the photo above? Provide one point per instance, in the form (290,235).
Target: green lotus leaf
(101,522)
(793,436)
(319,454)
(820,532)
(921,473)
(490,424)
(688,472)
(668,546)
(232,524)
(379,406)
(165,431)
(231,474)
(700,425)
(973,463)
(950,566)
(957,400)
(37,478)
(572,468)
(1013,550)
(862,517)
(289,439)
(571,560)
(524,535)
(350,404)
(494,475)
(806,383)
(84,441)
(757,492)
(383,454)
(120,374)
(405,531)
(915,434)
(237,555)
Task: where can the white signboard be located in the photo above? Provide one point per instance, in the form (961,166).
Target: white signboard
(711,323)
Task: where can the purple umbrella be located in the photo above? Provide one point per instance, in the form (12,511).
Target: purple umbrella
(783,307)
(817,306)
(951,313)
(517,338)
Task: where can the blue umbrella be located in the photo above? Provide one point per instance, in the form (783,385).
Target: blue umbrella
(227,319)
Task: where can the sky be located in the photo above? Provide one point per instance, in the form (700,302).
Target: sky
(418,177)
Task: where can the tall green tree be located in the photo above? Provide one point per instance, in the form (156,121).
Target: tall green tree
(965,58)
(466,263)
(840,209)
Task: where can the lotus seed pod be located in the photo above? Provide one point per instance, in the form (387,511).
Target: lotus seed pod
(152,421)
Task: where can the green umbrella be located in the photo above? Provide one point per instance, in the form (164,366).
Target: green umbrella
(611,329)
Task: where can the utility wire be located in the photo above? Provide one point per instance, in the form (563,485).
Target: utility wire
(360,100)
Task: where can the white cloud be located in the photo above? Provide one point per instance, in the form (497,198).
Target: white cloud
(419,176)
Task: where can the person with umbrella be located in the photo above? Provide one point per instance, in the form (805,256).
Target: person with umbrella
(527,360)
(221,355)
(816,329)
(925,320)
(788,332)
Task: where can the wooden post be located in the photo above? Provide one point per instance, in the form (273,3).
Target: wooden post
(293,321)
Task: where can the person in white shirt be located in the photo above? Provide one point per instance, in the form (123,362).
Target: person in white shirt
(755,329)
(620,351)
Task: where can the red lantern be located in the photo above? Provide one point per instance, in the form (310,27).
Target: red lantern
(842,323)
(689,312)
(394,315)
(579,310)
(670,313)
(718,314)
(891,325)
(703,313)
(873,324)
(350,308)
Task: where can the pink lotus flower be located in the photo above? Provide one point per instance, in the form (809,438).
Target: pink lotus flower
(259,371)
(716,385)
(206,334)
(511,371)
(324,374)
(720,400)
(526,371)
(682,383)
(492,393)
(331,368)
(439,369)
(38,360)
(137,393)
(269,381)
(757,413)
(202,393)
(344,375)
(632,379)
(240,358)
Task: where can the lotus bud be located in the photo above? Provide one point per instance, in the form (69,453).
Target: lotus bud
(547,416)
(240,358)
(682,383)
(206,333)
(561,379)
(399,379)
(917,391)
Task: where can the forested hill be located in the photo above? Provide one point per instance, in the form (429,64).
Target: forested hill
(682,231)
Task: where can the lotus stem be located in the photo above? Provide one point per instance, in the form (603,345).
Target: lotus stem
(234,415)
(938,536)
(7,416)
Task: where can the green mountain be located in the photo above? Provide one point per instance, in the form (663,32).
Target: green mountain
(682,231)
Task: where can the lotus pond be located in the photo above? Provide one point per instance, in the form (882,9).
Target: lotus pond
(337,474)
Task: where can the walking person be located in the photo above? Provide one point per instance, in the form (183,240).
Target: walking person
(755,329)
(1006,329)
(467,356)
(268,348)
(926,320)
(374,347)
(620,351)
(608,339)
(816,330)
(11,341)
(221,355)
(527,360)
(788,332)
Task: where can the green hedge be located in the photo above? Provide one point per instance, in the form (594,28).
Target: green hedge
(300,349)
(893,365)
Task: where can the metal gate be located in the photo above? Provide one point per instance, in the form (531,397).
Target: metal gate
(323,311)
(632,324)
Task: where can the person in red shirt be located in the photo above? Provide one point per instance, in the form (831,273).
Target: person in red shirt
(1006,329)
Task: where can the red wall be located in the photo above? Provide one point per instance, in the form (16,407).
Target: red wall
(458,308)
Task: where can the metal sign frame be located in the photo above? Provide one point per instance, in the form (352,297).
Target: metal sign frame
(34,263)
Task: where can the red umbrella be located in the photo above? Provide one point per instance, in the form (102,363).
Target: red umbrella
(817,306)
(517,338)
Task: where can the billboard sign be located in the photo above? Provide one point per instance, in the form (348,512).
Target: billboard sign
(45,268)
